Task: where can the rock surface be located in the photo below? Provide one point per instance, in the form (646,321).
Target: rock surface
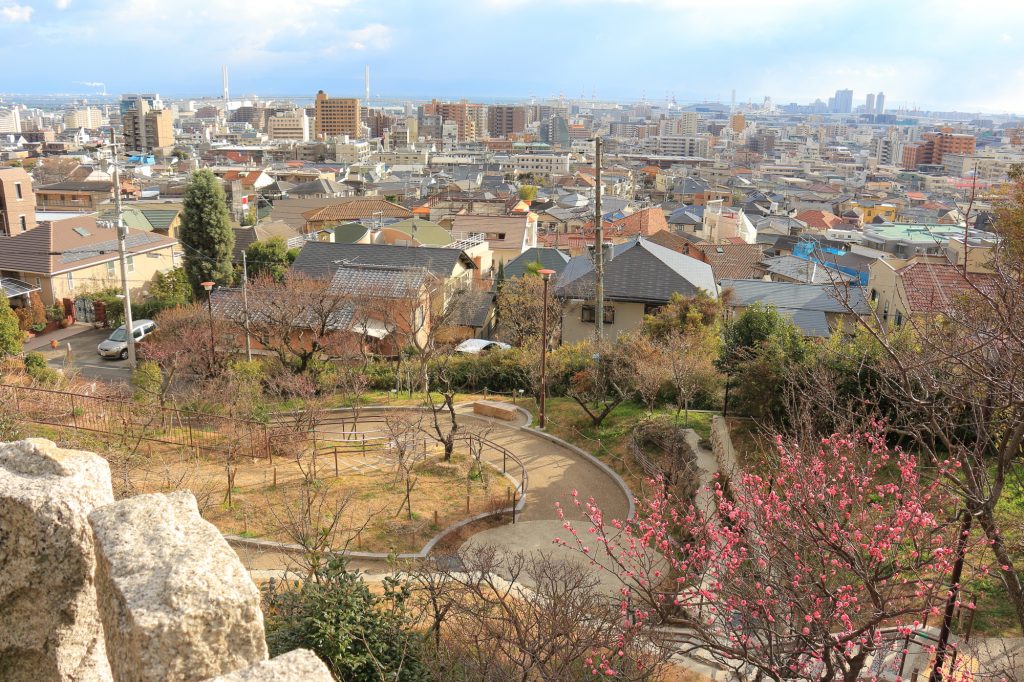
(175,600)
(49,625)
(293,666)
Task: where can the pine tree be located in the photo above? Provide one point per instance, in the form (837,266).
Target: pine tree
(206,232)
(11,335)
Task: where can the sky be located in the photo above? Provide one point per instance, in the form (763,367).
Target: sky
(935,54)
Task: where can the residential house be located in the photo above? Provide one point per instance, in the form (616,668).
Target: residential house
(507,236)
(537,258)
(369,209)
(817,310)
(163,217)
(640,276)
(264,231)
(818,220)
(70,258)
(922,285)
(17,202)
(72,195)
(440,278)
(727,261)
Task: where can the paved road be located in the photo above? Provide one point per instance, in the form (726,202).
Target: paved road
(88,363)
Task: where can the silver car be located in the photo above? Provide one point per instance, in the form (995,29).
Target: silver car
(116,345)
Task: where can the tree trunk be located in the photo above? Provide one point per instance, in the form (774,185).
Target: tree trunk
(1014,590)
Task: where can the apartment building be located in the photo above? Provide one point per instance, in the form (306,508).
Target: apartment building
(677,145)
(470,119)
(336,116)
(84,117)
(683,124)
(290,125)
(10,121)
(148,126)
(505,120)
(17,202)
(541,164)
(933,146)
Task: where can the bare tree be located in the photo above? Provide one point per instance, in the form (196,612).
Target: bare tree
(517,616)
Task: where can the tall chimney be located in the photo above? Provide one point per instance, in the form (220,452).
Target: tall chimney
(366,83)
(224,77)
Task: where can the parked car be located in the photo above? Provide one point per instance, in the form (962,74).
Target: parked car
(116,345)
(476,346)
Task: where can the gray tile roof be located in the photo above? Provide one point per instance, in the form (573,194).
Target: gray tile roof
(320,259)
(793,296)
(552,259)
(802,270)
(640,271)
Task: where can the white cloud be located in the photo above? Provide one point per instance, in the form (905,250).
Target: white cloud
(16,13)
(62,4)
(372,37)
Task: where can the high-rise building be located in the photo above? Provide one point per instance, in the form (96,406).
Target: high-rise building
(84,117)
(842,103)
(290,125)
(336,116)
(880,103)
(737,123)
(148,126)
(933,146)
(504,120)
(869,103)
(10,120)
(470,118)
(17,202)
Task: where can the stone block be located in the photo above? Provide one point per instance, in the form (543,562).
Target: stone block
(49,624)
(491,408)
(175,600)
(300,665)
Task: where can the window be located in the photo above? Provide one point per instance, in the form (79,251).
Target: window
(110,268)
(652,308)
(71,281)
(589,314)
(22,223)
(874,295)
(17,190)
(130,264)
(898,319)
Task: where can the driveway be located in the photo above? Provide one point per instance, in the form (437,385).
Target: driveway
(85,358)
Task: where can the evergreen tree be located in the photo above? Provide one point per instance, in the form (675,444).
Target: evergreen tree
(271,257)
(206,232)
(11,335)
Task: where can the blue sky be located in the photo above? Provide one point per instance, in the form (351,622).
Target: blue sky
(941,54)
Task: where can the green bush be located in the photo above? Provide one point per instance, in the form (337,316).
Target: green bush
(381,376)
(501,371)
(36,367)
(361,635)
(11,335)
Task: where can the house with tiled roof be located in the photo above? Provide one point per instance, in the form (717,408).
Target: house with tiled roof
(356,208)
(640,276)
(155,216)
(819,220)
(817,310)
(68,258)
(923,285)
(645,222)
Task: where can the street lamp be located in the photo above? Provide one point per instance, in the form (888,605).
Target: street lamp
(208,286)
(545,275)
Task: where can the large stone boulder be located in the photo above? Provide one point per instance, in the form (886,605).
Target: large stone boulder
(300,665)
(175,600)
(49,625)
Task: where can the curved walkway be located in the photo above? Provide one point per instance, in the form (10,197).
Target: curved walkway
(555,470)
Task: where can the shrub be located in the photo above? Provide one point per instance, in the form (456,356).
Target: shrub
(24,318)
(381,376)
(11,335)
(35,304)
(39,371)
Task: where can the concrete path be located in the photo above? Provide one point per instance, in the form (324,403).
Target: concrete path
(39,342)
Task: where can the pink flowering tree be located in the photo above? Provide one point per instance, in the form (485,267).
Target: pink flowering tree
(798,573)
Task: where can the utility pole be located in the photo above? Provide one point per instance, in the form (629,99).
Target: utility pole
(598,245)
(245,306)
(129,324)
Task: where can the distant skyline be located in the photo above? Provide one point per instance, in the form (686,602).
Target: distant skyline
(937,54)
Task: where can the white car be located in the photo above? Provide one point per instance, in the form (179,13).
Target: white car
(116,345)
(475,346)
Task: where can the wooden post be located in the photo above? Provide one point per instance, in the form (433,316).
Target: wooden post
(335,461)
(467,503)
(514,507)
(504,456)
(229,485)
(275,477)
(435,518)
(363,436)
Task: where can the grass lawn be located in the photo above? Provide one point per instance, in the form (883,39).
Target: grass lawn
(609,442)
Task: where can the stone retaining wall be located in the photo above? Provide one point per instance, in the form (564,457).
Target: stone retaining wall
(142,589)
